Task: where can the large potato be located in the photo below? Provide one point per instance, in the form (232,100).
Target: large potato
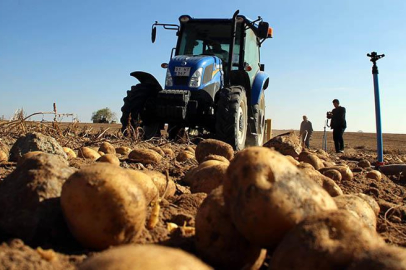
(184,155)
(217,240)
(160,182)
(144,156)
(123,150)
(371,201)
(359,207)
(145,257)
(88,153)
(206,178)
(213,147)
(158,150)
(327,240)
(145,182)
(374,174)
(103,206)
(189,176)
(267,195)
(380,258)
(216,157)
(107,148)
(69,152)
(333,174)
(312,159)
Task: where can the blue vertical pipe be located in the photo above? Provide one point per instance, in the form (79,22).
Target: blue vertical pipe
(378,115)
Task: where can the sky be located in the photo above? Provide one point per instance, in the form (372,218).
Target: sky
(79,54)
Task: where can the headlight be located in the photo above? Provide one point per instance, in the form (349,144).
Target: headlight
(196,78)
(168,80)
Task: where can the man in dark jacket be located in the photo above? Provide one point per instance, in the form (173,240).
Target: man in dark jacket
(306,131)
(338,124)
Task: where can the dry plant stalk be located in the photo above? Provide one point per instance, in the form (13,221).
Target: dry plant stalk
(154,218)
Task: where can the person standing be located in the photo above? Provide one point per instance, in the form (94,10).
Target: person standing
(338,125)
(306,130)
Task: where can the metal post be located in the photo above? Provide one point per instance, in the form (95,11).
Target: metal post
(375,57)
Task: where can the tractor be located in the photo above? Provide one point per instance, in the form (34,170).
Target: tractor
(214,82)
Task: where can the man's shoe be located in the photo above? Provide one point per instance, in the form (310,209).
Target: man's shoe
(341,151)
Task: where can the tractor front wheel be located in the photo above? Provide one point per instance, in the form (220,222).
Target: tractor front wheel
(232,116)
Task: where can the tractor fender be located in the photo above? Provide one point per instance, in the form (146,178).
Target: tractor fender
(146,78)
(261,82)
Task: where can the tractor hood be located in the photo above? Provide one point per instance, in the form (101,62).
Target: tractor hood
(193,72)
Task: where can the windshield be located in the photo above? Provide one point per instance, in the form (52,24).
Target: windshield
(208,38)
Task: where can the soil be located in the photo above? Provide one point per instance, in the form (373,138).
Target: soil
(390,192)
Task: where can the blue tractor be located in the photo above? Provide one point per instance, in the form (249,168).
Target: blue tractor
(214,82)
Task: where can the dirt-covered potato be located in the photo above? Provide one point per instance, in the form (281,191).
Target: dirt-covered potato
(145,182)
(312,159)
(109,158)
(216,157)
(168,152)
(107,148)
(145,257)
(359,207)
(217,240)
(3,156)
(380,258)
(102,206)
(184,155)
(371,201)
(160,182)
(345,171)
(88,153)
(374,175)
(213,147)
(333,174)
(364,163)
(328,184)
(189,176)
(144,156)
(328,164)
(267,195)
(327,240)
(158,150)
(101,153)
(208,177)
(123,150)
(69,152)
(26,156)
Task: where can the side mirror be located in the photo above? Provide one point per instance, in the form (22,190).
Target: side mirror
(262,31)
(153,34)
(262,67)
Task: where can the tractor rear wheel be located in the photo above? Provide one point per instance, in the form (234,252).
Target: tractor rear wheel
(134,104)
(232,116)
(258,113)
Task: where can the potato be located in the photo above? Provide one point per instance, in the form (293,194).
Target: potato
(123,150)
(69,152)
(376,175)
(213,147)
(216,157)
(333,174)
(107,148)
(206,178)
(145,257)
(359,206)
(267,195)
(292,160)
(371,201)
(158,150)
(145,156)
(327,240)
(88,153)
(184,155)
(329,185)
(363,163)
(328,164)
(3,156)
(217,240)
(168,152)
(189,176)
(160,182)
(190,149)
(380,258)
(103,206)
(312,159)
(146,184)
(345,171)
(109,158)
(101,153)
